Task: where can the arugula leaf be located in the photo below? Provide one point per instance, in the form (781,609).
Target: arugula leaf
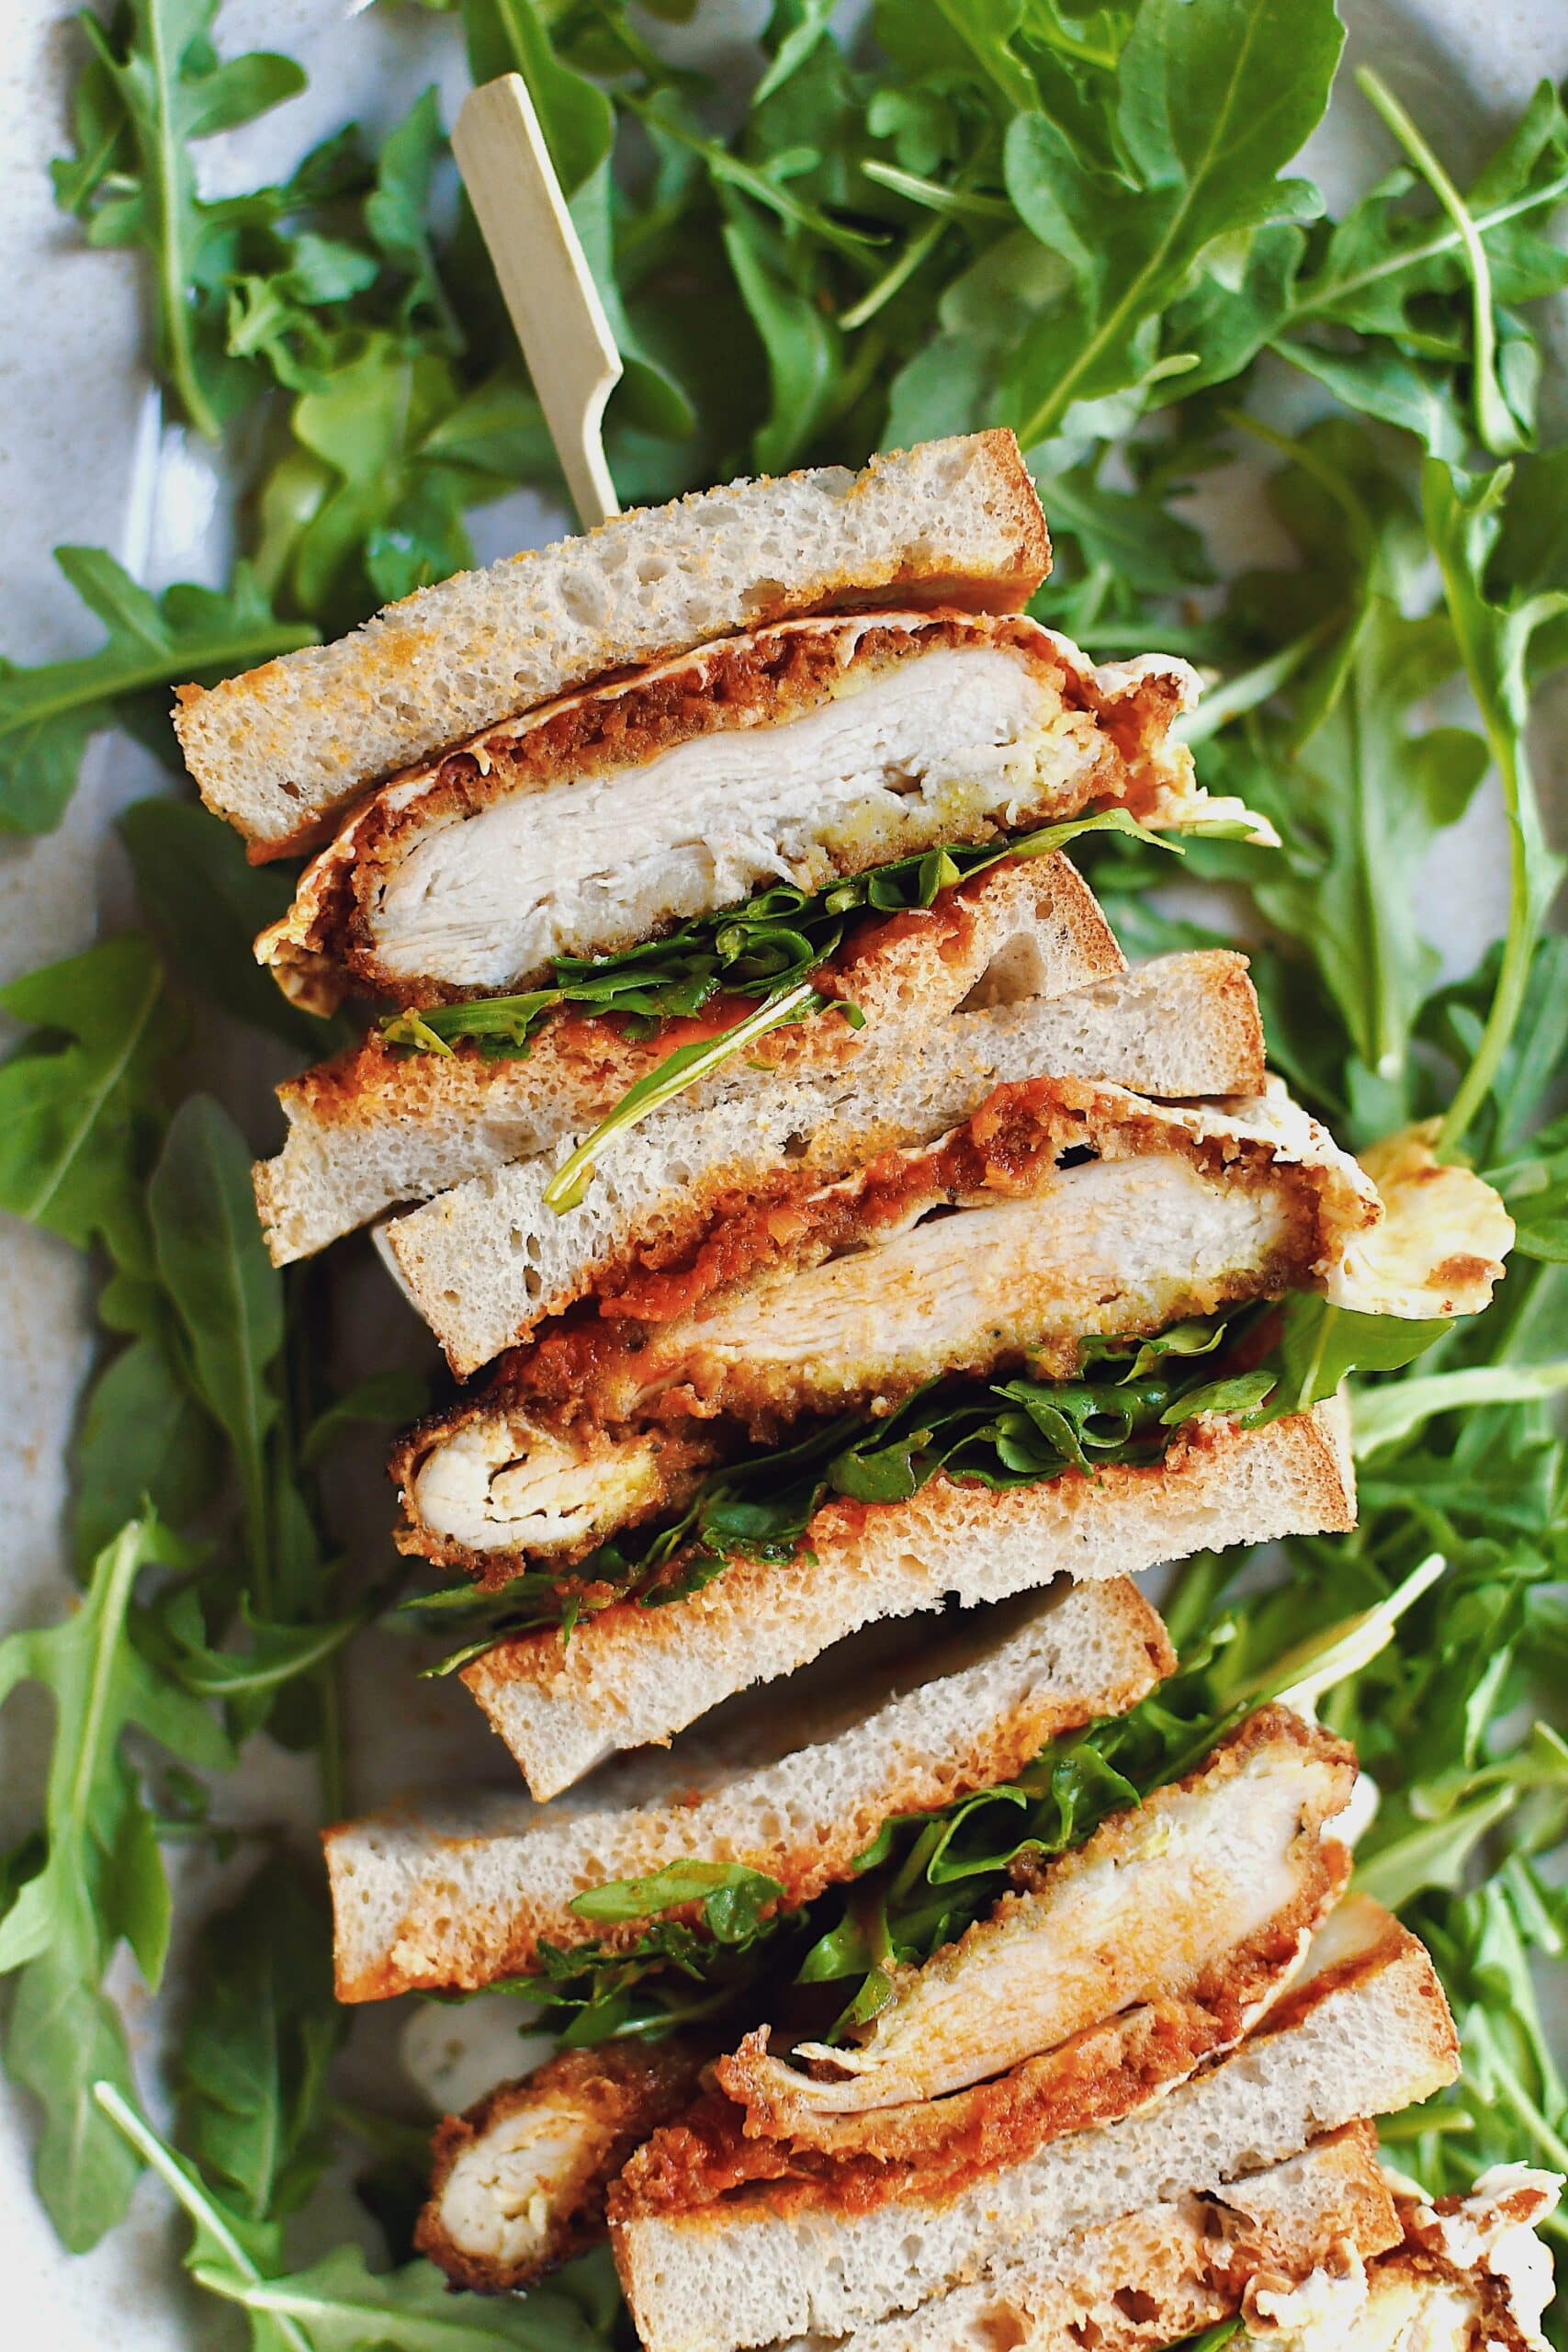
(101,1880)
(141,1438)
(49,711)
(255,2048)
(73,1116)
(1319,1345)
(1494,640)
(158,84)
(1213,102)
(208,904)
(227,1298)
(733,1898)
(339,2304)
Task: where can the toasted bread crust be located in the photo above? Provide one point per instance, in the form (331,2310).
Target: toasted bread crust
(325,944)
(620,2094)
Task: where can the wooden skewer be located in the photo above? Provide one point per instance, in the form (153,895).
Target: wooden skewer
(546,280)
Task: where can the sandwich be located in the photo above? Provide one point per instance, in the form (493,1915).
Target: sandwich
(808,2086)
(1051,1340)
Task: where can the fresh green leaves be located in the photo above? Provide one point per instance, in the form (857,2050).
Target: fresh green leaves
(732,1899)
(155,85)
(152,644)
(1494,638)
(101,1880)
(76,1097)
(227,1297)
(339,2304)
(1212,103)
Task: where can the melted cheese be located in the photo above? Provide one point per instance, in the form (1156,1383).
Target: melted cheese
(898,760)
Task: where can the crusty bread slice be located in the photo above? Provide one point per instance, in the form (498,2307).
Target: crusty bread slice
(517,2183)
(632,1675)
(281,750)
(794,1786)
(377,1127)
(485,1261)
(1153,2278)
(1364,2032)
(799,754)
(1302,2251)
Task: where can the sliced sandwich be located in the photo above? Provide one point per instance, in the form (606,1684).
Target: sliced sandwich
(714,2252)
(285,750)
(1019,958)
(1044,1342)
(1043,1938)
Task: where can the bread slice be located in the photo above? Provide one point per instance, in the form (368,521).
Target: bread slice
(486,1261)
(281,750)
(632,1675)
(517,2183)
(794,1789)
(798,754)
(378,1126)
(1302,2252)
(1153,2278)
(1365,2031)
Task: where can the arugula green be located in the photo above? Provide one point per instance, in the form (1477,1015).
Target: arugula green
(151,643)
(99,1880)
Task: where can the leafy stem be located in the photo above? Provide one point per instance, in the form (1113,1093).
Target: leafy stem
(1462,521)
(204,2212)
(1494,423)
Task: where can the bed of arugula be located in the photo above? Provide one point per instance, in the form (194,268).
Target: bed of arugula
(1078,222)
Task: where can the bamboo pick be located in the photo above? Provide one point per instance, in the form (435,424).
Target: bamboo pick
(546,280)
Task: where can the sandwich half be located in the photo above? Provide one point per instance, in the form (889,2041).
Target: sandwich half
(1022,1953)
(284,750)
(714,2256)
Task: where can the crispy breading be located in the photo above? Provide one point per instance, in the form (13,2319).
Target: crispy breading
(517,2182)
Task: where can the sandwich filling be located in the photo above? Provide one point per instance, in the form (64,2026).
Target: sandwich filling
(1114,1256)
(795,755)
